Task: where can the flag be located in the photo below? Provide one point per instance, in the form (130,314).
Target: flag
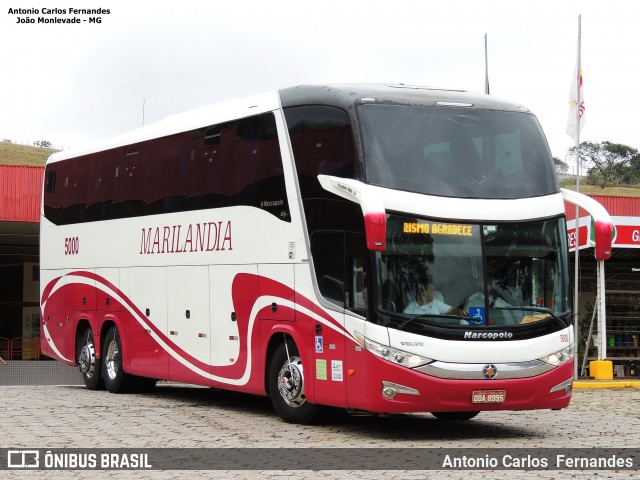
(575,121)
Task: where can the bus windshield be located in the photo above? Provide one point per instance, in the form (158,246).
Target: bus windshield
(480,274)
(456,152)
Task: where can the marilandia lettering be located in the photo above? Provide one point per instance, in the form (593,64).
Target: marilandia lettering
(192,238)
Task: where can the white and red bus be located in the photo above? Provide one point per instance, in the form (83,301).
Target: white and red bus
(275,245)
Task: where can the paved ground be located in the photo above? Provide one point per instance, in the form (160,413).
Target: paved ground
(181,416)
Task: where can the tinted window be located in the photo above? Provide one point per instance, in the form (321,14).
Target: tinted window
(100,184)
(64,197)
(236,163)
(340,257)
(456,152)
(340,260)
(322,143)
(328,251)
(130,185)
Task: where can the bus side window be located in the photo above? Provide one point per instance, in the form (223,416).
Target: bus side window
(322,142)
(129,181)
(166,174)
(328,251)
(258,162)
(99,186)
(238,163)
(72,191)
(52,202)
(51,182)
(340,262)
(357,297)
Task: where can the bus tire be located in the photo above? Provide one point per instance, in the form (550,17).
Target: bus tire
(115,378)
(454,416)
(87,362)
(286,386)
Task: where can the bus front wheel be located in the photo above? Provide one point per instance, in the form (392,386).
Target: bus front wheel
(286,386)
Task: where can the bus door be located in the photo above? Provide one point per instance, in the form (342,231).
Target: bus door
(339,260)
(188,323)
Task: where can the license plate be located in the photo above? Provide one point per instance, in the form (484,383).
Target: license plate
(488,396)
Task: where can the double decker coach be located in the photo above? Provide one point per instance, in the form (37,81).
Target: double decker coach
(378,248)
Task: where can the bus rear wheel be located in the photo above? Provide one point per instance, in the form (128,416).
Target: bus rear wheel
(115,378)
(454,416)
(286,386)
(88,363)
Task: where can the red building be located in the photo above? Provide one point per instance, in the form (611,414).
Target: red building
(622,282)
(20,193)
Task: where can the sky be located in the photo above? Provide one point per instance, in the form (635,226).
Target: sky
(73,84)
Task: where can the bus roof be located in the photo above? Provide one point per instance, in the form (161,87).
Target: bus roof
(344,96)
(181,122)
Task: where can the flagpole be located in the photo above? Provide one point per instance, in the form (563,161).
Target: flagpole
(486,66)
(576,289)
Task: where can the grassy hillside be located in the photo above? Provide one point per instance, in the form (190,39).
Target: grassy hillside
(12,154)
(595,190)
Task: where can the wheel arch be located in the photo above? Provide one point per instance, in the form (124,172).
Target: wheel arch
(81,327)
(86,320)
(276,338)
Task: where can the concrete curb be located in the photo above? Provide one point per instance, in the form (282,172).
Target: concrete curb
(606,384)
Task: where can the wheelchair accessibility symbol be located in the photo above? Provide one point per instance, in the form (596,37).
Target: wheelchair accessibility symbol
(477,315)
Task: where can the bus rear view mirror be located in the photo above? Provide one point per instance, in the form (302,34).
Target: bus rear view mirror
(375,217)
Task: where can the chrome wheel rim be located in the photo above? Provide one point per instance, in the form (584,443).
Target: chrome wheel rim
(87,358)
(111,359)
(291,382)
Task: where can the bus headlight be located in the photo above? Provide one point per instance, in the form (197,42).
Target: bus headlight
(559,357)
(399,357)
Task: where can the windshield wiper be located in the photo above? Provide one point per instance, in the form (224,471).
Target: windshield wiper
(431,315)
(534,308)
(538,308)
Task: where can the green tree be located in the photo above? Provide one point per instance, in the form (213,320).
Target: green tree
(561,167)
(609,163)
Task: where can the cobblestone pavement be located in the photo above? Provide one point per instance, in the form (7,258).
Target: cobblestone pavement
(193,417)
